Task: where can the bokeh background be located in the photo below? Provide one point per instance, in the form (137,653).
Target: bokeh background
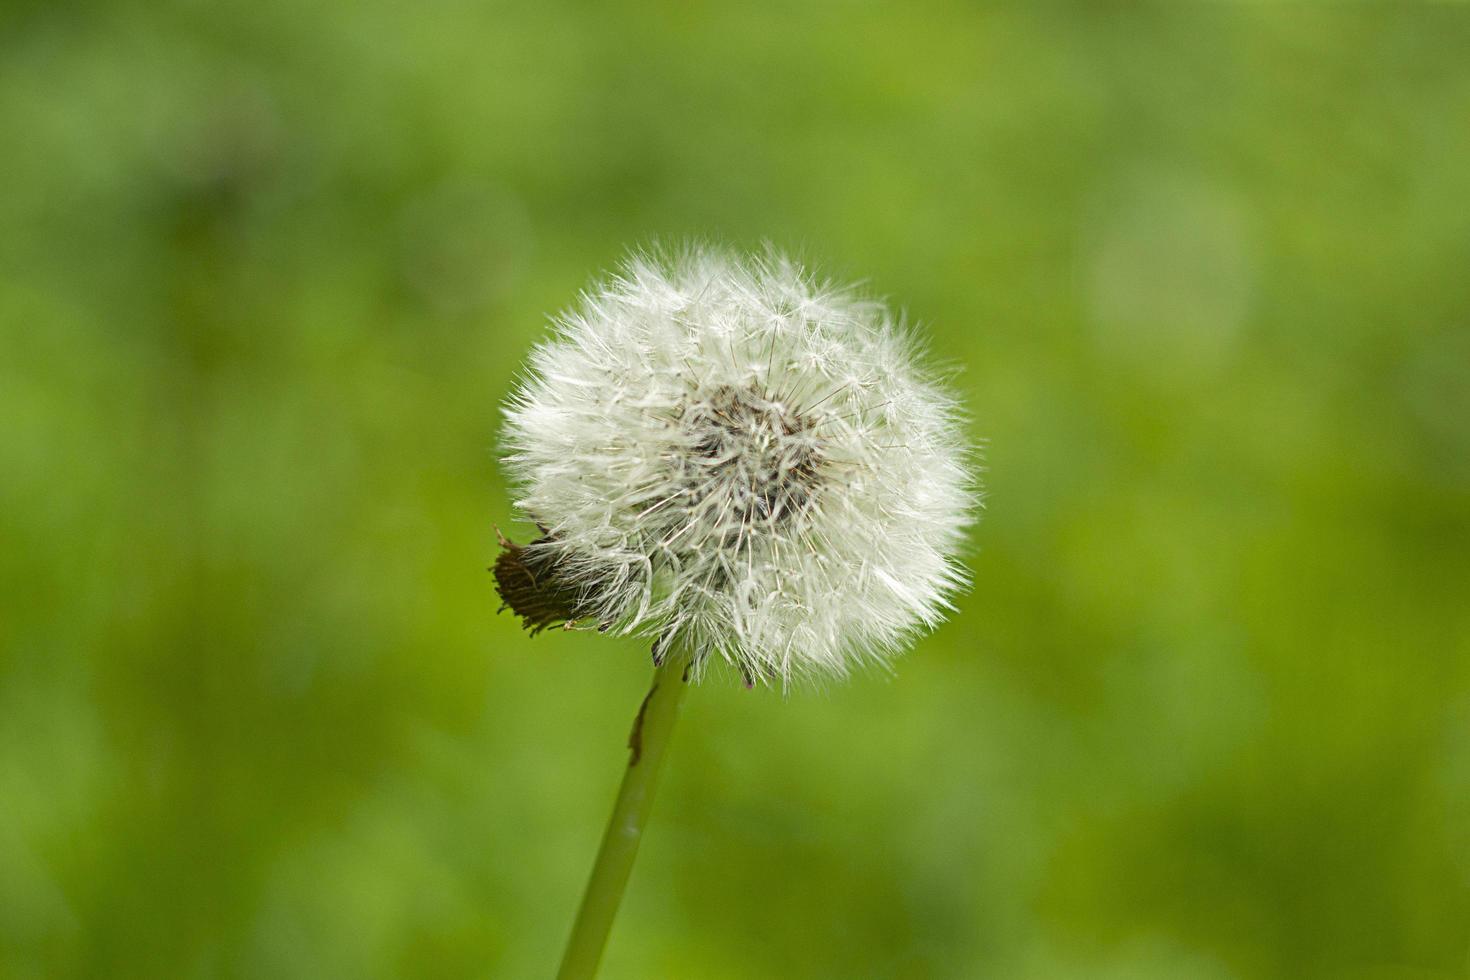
(267,270)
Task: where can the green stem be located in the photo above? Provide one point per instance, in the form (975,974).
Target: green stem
(647,745)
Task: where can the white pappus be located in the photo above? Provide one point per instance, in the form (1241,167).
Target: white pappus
(740,461)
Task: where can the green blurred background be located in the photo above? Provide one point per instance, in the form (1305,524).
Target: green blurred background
(267,270)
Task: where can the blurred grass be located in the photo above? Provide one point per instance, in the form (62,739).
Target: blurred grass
(268,269)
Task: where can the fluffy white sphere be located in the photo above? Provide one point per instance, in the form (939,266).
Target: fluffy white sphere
(740,461)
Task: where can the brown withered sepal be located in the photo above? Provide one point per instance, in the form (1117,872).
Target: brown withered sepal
(532,585)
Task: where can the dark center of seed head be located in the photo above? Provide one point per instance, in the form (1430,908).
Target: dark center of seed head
(750,454)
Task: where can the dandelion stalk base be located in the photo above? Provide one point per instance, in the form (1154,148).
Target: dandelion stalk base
(647,744)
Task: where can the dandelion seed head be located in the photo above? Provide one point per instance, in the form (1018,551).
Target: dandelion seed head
(732,457)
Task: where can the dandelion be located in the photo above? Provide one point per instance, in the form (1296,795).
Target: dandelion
(742,464)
